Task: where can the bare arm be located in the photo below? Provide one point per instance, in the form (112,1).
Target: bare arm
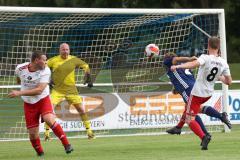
(188,65)
(30,92)
(226,79)
(183,59)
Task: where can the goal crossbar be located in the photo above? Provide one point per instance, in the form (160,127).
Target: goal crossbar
(108,10)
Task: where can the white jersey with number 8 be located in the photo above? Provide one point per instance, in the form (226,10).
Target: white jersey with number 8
(211,67)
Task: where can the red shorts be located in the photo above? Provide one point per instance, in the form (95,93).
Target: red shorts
(194,103)
(33,111)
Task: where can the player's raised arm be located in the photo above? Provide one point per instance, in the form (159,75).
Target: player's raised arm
(188,65)
(177,60)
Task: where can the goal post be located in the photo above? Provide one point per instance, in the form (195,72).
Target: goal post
(223,48)
(127,84)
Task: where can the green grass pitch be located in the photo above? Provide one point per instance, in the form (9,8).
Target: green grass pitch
(224,146)
(163,147)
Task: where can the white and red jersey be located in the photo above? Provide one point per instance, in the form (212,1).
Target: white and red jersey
(30,80)
(211,67)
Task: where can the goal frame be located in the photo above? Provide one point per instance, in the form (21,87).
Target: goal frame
(220,12)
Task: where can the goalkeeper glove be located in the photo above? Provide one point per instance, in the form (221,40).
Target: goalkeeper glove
(88,80)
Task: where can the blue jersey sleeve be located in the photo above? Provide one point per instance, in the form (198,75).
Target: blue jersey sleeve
(168,62)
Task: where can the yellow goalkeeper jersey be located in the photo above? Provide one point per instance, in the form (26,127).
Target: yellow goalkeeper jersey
(63,73)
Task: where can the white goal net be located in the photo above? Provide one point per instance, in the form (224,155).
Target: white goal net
(127,84)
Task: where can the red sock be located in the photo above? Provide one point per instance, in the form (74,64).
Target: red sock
(58,131)
(195,127)
(37,145)
(182,120)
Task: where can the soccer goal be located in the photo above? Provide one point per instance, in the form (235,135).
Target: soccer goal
(132,94)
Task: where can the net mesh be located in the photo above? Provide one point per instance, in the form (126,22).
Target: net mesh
(112,44)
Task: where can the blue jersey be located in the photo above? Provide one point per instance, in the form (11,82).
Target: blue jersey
(182,79)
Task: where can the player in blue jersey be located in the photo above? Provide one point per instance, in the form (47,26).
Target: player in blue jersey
(183,81)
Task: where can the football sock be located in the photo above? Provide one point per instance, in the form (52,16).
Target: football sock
(37,145)
(58,131)
(210,111)
(85,120)
(182,120)
(199,121)
(195,127)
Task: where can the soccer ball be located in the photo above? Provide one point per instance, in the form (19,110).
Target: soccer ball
(151,50)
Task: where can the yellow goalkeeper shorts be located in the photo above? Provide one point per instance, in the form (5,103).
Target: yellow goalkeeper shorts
(57,97)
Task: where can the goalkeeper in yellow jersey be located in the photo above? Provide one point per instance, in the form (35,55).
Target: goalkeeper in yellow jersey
(63,80)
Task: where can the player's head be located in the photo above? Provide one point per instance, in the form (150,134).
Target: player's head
(214,43)
(39,59)
(169,55)
(64,50)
